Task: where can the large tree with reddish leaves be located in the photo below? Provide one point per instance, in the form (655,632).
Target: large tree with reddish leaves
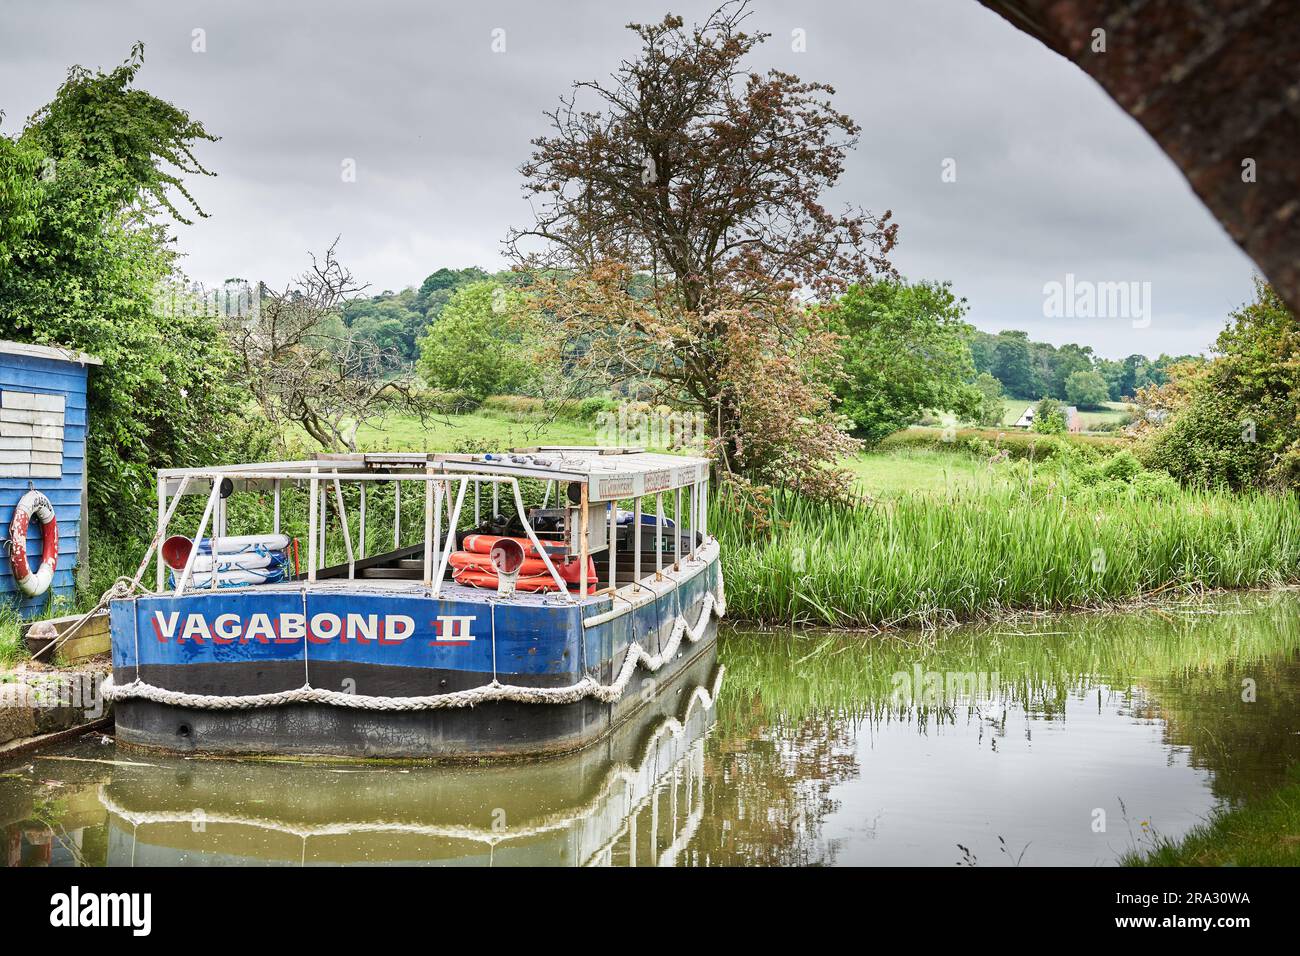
(681,226)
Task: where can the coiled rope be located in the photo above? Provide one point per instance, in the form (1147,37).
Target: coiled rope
(485,693)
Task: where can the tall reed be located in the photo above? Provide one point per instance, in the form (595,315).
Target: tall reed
(926,560)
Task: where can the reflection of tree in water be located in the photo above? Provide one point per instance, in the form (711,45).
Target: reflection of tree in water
(768,786)
(1247,746)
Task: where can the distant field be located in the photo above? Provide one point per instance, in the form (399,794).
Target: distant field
(481,430)
(923,470)
(888,472)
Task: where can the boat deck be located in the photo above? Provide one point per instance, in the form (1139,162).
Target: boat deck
(630,594)
(450,591)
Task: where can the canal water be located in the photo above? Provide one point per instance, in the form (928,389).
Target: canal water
(1062,740)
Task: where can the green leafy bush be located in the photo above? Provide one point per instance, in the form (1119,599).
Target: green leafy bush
(1049,417)
(487,341)
(515,404)
(1235,421)
(89,266)
(1086,388)
(903,351)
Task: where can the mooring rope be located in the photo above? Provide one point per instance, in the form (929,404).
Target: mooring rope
(122,588)
(484,693)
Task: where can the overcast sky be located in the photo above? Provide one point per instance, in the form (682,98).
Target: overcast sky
(1051,177)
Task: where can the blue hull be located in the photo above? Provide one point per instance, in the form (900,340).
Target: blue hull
(391,641)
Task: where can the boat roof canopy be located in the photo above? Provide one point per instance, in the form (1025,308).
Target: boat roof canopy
(611,473)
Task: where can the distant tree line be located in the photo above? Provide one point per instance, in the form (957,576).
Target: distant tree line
(397,320)
(1069,373)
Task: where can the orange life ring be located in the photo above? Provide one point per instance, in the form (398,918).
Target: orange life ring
(483,562)
(33,505)
(488,579)
(482,544)
(568,570)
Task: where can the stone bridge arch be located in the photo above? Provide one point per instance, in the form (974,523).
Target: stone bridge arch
(1216,83)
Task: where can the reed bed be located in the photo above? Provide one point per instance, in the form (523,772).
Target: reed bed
(926,560)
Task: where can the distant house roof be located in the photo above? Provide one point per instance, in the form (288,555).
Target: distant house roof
(1072,421)
(49,352)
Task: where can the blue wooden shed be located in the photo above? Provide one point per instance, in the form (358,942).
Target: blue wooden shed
(43,446)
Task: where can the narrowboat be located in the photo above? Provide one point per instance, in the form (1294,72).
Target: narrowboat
(535,601)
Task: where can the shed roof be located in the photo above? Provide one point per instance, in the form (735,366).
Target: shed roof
(52,352)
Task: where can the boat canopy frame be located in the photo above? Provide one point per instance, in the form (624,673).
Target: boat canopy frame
(603,475)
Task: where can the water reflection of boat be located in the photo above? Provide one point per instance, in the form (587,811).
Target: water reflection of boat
(633,799)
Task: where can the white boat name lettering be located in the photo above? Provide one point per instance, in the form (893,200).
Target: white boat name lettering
(286,628)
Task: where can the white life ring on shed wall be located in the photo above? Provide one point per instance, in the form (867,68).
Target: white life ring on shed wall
(33,505)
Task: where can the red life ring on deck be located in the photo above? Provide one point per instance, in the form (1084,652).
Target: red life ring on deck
(473,566)
(483,562)
(33,505)
(482,544)
(488,579)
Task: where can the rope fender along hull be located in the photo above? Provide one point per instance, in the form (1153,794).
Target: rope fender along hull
(351,670)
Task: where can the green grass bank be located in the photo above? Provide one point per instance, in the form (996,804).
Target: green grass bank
(1263,832)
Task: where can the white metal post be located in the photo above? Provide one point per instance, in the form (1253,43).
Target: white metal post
(452,522)
(276,519)
(361,531)
(659,533)
(208,513)
(163,522)
(311,526)
(636,542)
(397,513)
(324,524)
(695,508)
(536,541)
(582,542)
(439,493)
(677,528)
(704,509)
(217,529)
(428,528)
(613,544)
(162,528)
(347,532)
